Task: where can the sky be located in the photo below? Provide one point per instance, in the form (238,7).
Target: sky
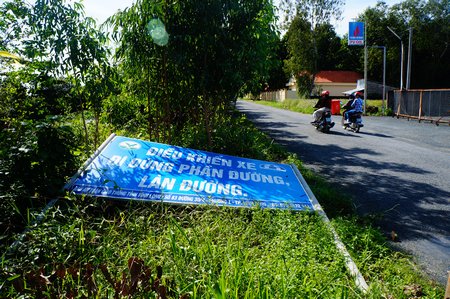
(102,9)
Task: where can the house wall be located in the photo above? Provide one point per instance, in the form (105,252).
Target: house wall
(276,96)
(335,89)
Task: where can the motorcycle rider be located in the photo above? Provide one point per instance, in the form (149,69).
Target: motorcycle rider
(323,105)
(348,105)
(356,107)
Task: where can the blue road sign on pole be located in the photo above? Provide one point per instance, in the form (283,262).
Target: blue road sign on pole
(356,33)
(127,168)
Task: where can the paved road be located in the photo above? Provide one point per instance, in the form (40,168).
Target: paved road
(395,168)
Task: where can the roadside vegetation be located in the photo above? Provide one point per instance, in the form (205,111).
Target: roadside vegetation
(92,247)
(306,106)
(67,96)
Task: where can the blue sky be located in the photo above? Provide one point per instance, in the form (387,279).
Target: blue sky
(101,9)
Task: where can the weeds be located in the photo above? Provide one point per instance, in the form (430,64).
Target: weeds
(204,252)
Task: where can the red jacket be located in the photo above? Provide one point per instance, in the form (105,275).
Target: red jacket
(323,102)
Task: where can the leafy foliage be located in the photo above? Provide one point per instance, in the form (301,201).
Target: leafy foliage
(430,23)
(234,135)
(36,158)
(206,65)
(125,114)
(316,12)
(58,40)
(311,42)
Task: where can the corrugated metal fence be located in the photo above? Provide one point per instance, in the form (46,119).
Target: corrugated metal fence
(427,104)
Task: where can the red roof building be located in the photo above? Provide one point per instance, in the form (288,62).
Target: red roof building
(337,77)
(336,82)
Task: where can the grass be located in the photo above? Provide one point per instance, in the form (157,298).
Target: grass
(303,106)
(206,252)
(306,106)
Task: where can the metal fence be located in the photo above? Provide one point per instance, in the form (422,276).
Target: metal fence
(427,104)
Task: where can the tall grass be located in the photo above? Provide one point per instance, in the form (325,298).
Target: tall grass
(298,105)
(206,252)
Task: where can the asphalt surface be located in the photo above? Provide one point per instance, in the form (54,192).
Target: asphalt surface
(395,169)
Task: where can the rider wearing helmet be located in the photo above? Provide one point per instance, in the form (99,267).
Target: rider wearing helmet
(356,106)
(323,105)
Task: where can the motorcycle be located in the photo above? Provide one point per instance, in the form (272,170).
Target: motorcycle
(354,123)
(324,124)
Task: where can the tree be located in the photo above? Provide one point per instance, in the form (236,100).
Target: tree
(430,23)
(328,47)
(58,41)
(277,75)
(308,55)
(309,36)
(301,54)
(316,12)
(74,47)
(216,52)
(63,55)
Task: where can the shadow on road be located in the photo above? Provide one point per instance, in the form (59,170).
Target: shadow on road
(374,134)
(400,203)
(398,195)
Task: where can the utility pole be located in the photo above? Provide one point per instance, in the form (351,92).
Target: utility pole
(401,57)
(384,73)
(408,71)
(383,107)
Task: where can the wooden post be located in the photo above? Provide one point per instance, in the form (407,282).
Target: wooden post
(399,103)
(447,290)
(420,105)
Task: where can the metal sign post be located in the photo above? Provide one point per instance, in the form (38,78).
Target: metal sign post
(357,35)
(365,68)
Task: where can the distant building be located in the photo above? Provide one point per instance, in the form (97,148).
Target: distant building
(336,82)
(341,84)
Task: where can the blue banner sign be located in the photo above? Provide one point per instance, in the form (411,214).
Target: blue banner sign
(134,169)
(356,33)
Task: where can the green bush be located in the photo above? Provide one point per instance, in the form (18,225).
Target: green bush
(36,158)
(124,113)
(233,135)
(34,97)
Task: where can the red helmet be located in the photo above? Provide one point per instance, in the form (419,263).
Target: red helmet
(358,93)
(325,93)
